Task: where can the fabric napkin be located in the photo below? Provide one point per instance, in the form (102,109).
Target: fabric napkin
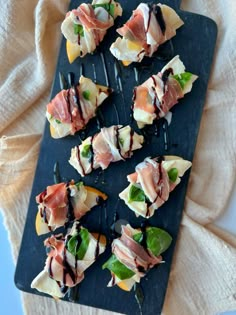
(203,275)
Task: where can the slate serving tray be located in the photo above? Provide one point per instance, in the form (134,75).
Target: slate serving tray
(195,43)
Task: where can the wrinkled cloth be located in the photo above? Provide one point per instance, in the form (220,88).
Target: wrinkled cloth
(203,274)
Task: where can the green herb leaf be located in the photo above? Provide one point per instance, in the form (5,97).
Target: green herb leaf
(78,30)
(136,194)
(79,185)
(78,244)
(158,240)
(121,141)
(109,7)
(120,270)
(183,78)
(86,95)
(173,174)
(58,121)
(86,152)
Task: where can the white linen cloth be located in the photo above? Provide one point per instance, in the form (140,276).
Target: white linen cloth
(203,275)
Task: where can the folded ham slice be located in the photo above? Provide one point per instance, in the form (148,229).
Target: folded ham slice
(135,255)
(152,182)
(63,269)
(148,27)
(112,144)
(64,202)
(70,110)
(156,96)
(85,27)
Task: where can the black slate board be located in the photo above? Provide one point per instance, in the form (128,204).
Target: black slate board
(195,43)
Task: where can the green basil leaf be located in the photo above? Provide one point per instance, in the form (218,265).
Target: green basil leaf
(78,29)
(86,95)
(173,174)
(121,141)
(116,267)
(109,7)
(79,184)
(86,152)
(136,194)
(58,121)
(157,239)
(78,244)
(183,78)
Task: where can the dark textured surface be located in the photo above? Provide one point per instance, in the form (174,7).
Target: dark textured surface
(195,43)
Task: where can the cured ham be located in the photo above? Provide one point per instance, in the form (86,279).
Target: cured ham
(135,253)
(67,259)
(148,28)
(85,27)
(152,183)
(155,97)
(70,110)
(64,202)
(112,144)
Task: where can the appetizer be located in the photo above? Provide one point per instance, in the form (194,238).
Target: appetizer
(135,253)
(112,144)
(85,27)
(70,110)
(152,183)
(149,26)
(64,202)
(67,259)
(156,96)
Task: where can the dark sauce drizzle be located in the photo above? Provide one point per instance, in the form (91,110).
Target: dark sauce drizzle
(71,79)
(113,233)
(131,142)
(77,102)
(117,71)
(70,213)
(94,73)
(80,163)
(166,135)
(104,68)
(159,17)
(43,212)
(67,270)
(62,82)
(165,77)
(56,173)
(118,142)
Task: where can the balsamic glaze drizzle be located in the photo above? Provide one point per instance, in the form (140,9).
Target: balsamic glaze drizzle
(56,173)
(159,17)
(70,213)
(62,82)
(165,77)
(104,68)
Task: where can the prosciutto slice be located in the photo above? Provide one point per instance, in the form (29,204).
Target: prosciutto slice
(62,203)
(70,110)
(148,27)
(154,180)
(135,256)
(155,97)
(63,269)
(112,144)
(86,26)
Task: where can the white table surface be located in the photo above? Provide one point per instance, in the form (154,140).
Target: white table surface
(11,303)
